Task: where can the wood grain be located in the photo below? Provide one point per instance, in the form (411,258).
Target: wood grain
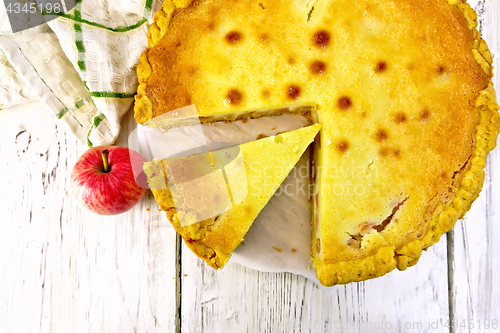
(476,275)
(63,268)
(245,300)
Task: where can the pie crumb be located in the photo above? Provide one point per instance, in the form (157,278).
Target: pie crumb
(243,243)
(277,249)
(185,275)
(293,250)
(147,209)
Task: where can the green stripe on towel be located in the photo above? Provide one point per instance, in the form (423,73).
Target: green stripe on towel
(111,94)
(61,113)
(77,18)
(97,121)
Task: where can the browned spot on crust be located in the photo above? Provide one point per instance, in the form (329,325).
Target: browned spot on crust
(364,228)
(293,91)
(343,146)
(266,94)
(211,26)
(400,118)
(344,103)
(381,135)
(441,70)
(354,241)
(261,136)
(321,39)
(191,70)
(425,115)
(248,210)
(385,151)
(380,67)
(291,60)
(388,151)
(234,37)
(264,38)
(234,96)
(318,67)
(380,227)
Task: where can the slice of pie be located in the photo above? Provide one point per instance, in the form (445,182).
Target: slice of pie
(402,89)
(212,199)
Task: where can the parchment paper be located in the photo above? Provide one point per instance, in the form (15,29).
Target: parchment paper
(280,238)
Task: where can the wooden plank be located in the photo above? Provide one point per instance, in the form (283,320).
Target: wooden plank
(241,299)
(238,299)
(476,274)
(63,268)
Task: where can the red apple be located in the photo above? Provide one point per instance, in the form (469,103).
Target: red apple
(103,179)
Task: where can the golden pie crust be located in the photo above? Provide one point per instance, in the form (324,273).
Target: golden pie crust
(402,88)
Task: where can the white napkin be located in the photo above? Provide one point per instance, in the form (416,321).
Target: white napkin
(81,65)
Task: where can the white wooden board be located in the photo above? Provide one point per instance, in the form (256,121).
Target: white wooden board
(63,269)
(475,278)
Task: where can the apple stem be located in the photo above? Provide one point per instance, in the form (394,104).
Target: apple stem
(105,153)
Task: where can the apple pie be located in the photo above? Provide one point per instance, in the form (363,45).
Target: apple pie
(402,89)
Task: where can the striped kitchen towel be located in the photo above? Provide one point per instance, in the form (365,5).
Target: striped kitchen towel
(81,64)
